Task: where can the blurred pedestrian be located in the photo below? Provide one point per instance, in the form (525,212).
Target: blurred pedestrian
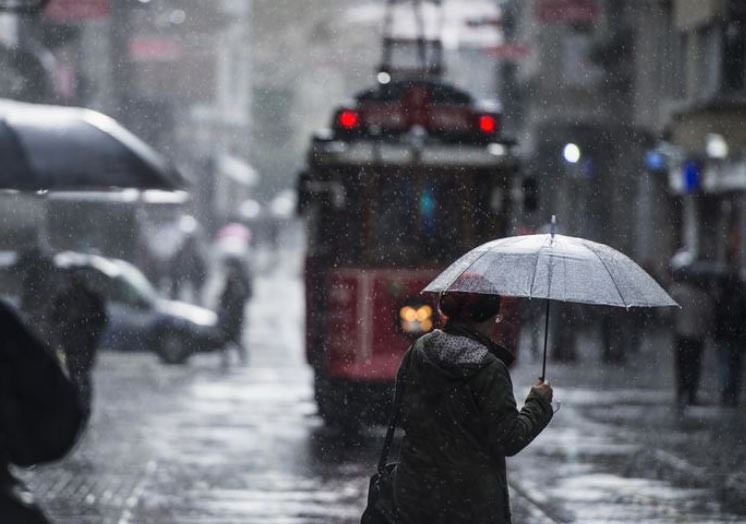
(188,271)
(615,328)
(532,322)
(38,285)
(237,290)
(692,323)
(460,419)
(40,414)
(564,333)
(730,335)
(79,318)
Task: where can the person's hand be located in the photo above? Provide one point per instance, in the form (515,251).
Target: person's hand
(543,389)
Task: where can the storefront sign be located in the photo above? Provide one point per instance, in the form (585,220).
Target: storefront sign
(70,11)
(710,177)
(724,176)
(510,51)
(156,48)
(566,11)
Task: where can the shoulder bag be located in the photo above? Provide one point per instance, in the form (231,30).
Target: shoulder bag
(381,508)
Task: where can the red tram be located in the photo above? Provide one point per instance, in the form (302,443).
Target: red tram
(408,178)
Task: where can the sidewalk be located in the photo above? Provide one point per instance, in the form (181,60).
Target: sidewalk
(618,451)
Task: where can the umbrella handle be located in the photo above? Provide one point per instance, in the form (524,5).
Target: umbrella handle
(546,337)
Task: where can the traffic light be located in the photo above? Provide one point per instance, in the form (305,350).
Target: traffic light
(530,194)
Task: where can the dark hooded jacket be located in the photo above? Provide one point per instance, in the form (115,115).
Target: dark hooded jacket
(40,413)
(460,421)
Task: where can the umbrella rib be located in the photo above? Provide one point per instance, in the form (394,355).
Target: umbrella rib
(533,277)
(608,272)
(471,264)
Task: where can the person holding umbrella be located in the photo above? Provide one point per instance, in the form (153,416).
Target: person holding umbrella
(460,418)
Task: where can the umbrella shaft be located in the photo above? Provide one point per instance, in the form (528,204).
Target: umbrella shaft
(546,337)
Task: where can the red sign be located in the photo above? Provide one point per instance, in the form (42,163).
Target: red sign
(567,11)
(155,48)
(67,11)
(510,51)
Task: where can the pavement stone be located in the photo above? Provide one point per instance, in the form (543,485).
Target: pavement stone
(618,450)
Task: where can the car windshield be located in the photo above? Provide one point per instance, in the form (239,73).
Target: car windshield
(136,283)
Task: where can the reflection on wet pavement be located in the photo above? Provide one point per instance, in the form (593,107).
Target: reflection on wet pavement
(199,444)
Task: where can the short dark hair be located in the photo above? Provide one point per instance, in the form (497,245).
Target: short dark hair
(469,307)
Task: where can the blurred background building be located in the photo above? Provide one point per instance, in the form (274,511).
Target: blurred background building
(628,113)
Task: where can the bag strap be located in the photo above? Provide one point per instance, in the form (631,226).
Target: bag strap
(401,382)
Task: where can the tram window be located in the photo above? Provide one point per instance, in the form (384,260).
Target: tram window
(394,238)
(440,217)
(334,219)
(397,218)
(490,208)
(349,224)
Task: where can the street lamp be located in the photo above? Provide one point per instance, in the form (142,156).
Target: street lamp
(716,146)
(571,153)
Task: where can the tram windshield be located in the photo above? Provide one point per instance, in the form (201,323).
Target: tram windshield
(404,218)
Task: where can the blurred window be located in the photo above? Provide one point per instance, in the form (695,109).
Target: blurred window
(131,287)
(708,49)
(123,292)
(734,55)
(676,81)
(401,217)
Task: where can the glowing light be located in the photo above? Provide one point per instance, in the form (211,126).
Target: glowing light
(716,146)
(571,152)
(408,313)
(424,313)
(487,124)
(349,119)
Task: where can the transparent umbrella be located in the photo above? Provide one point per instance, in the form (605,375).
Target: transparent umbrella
(552,267)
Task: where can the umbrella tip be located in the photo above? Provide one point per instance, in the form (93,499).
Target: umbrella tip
(554,224)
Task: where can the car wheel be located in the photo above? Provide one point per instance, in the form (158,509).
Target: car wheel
(173,348)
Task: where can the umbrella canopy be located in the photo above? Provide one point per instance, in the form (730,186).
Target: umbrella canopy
(554,267)
(56,148)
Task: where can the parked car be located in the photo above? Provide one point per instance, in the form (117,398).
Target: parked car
(139,317)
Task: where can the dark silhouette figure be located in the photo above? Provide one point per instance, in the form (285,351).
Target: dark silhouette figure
(730,335)
(189,270)
(38,284)
(237,290)
(615,328)
(40,414)
(79,318)
(563,326)
(692,324)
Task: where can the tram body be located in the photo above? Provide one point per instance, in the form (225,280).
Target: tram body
(410,177)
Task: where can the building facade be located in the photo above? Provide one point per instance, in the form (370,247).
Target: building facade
(707,160)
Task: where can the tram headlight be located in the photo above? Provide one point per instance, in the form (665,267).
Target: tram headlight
(416,319)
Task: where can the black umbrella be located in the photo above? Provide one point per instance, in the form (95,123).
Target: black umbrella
(45,147)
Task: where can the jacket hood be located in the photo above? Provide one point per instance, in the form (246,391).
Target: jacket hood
(457,353)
